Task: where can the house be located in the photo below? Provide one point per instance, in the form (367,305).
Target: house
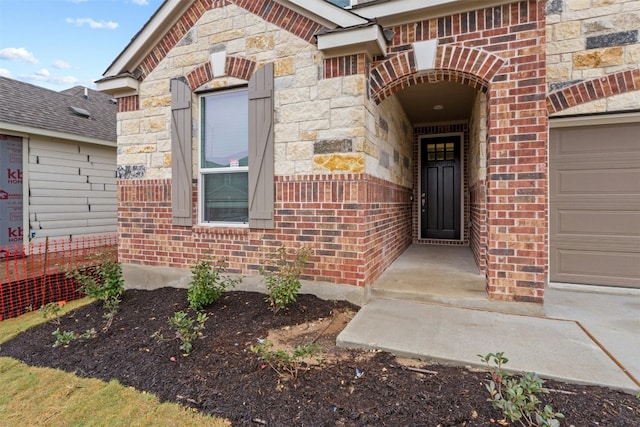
(58,162)
(508,126)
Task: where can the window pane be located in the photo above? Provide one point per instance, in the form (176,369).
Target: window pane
(225,130)
(226,197)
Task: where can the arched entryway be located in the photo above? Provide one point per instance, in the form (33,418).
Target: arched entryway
(501,214)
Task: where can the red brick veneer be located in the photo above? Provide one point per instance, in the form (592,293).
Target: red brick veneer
(591,90)
(240,68)
(355,225)
(500,51)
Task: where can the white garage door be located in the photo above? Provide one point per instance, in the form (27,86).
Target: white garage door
(595,205)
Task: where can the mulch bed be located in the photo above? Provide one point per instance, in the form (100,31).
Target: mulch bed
(223,378)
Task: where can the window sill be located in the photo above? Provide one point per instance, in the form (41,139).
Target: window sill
(221,230)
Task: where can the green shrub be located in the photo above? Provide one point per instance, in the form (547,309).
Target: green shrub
(187,329)
(208,283)
(282,276)
(103,282)
(517,398)
(51,312)
(284,362)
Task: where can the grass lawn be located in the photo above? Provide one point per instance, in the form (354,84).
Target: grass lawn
(43,396)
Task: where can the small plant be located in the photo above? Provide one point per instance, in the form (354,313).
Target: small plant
(517,398)
(63,338)
(285,362)
(208,283)
(51,311)
(103,282)
(282,276)
(187,329)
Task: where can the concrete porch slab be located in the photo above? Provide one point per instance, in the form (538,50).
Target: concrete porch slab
(552,348)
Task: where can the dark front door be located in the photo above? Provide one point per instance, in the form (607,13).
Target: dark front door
(440,187)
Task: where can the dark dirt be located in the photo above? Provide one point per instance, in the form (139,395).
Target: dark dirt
(223,378)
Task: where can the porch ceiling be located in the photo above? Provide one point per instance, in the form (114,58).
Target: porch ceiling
(418,102)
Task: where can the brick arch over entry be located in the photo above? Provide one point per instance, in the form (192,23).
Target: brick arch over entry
(469,66)
(241,68)
(591,90)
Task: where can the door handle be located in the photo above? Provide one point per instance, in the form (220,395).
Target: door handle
(423,198)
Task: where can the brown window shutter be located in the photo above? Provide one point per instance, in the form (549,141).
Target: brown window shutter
(181,169)
(261,168)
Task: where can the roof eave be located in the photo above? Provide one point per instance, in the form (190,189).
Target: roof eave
(369,39)
(324,13)
(30,131)
(144,41)
(398,12)
(119,86)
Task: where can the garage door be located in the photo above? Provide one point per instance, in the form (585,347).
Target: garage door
(595,205)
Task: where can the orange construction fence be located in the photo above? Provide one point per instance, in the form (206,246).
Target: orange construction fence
(34,274)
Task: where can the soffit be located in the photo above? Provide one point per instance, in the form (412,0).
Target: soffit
(397,12)
(418,102)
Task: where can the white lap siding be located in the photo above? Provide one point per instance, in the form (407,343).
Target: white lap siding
(72,189)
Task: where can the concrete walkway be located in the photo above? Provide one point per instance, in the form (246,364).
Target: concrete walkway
(582,334)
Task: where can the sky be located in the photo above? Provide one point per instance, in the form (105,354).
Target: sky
(59,44)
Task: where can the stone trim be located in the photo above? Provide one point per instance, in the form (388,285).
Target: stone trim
(591,90)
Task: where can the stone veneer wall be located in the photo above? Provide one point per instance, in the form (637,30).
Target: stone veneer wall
(593,55)
(341,187)
(477,170)
(320,118)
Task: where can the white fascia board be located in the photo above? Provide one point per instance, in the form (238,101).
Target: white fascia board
(324,13)
(403,11)
(368,39)
(142,43)
(119,86)
(28,131)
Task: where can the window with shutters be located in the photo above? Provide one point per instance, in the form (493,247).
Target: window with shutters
(224,158)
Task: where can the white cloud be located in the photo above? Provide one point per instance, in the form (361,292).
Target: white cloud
(96,25)
(44,76)
(18,54)
(5,73)
(141,2)
(60,64)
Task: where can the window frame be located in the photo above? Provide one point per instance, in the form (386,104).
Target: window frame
(202,172)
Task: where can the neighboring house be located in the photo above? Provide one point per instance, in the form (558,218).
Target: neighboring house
(507,126)
(58,162)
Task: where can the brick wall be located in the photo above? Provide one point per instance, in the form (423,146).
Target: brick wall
(355,225)
(498,51)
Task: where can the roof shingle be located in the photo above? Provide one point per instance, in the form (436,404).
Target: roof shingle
(34,106)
